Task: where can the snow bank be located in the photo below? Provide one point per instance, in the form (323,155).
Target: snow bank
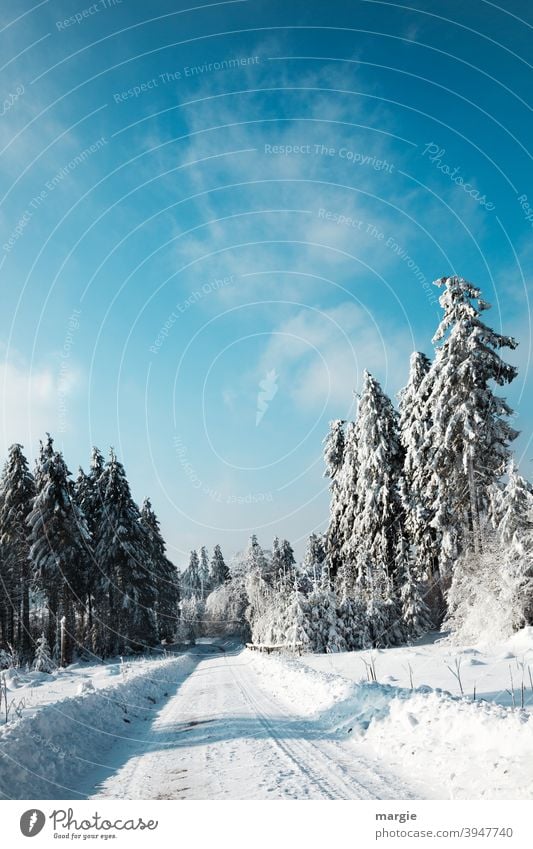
(448,747)
(43,755)
(456,748)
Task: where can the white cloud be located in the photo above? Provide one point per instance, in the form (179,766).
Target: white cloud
(321,354)
(34,400)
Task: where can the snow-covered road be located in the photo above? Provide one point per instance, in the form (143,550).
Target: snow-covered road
(223,735)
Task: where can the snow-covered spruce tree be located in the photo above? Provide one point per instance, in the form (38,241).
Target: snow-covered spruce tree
(60,546)
(89,498)
(295,626)
(314,562)
(416,614)
(514,517)
(467,446)
(126,589)
(276,566)
(43,660)
(203,571)
(414,423)
(370,550)
(164,575)
(287,575)
(256,560)
(17,491)
(219,572)
(194,583)
(333,460)
(352,617)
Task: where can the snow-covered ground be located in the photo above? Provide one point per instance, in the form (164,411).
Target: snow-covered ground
(70,720)
(221,722)
(446,744)
(432,661)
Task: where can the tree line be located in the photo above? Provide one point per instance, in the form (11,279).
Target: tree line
(82,568)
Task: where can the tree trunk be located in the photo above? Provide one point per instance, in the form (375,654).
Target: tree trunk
(67,628)
(25,611)
(473,509)
(52,620)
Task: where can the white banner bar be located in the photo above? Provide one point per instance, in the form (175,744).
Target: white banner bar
(264,825)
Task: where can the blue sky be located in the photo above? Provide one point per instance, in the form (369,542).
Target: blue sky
(214,218)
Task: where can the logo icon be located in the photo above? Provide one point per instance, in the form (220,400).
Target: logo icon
(32,822)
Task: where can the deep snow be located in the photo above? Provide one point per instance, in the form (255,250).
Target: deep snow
(221,722)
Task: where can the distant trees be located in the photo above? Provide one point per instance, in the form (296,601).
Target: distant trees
(81,561)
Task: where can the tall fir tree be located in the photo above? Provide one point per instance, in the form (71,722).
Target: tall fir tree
(287,576)
(17,491)
(126,587)
(60,546)
(219,572)
(194,582)
(314,562)
(514,521)
(89,498)
(467,446)
(203,571)
(333,460)
(164,575)
(371,549)
(255,559)
(422,597)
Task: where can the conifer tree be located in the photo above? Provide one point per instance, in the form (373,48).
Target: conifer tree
(514,518)
(90,500)
(314,563)
(126,588)
(255,558)
(193,578)
(287,573)
(467,447)
(371,549)
(17,491)
(60,545)
(203,571)
(164,575)
(219,572)
(333,459)
(43,661)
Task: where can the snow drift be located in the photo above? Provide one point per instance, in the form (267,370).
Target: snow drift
(45,754)
(446,746)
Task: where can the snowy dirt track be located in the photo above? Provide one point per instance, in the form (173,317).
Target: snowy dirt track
(225,735)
